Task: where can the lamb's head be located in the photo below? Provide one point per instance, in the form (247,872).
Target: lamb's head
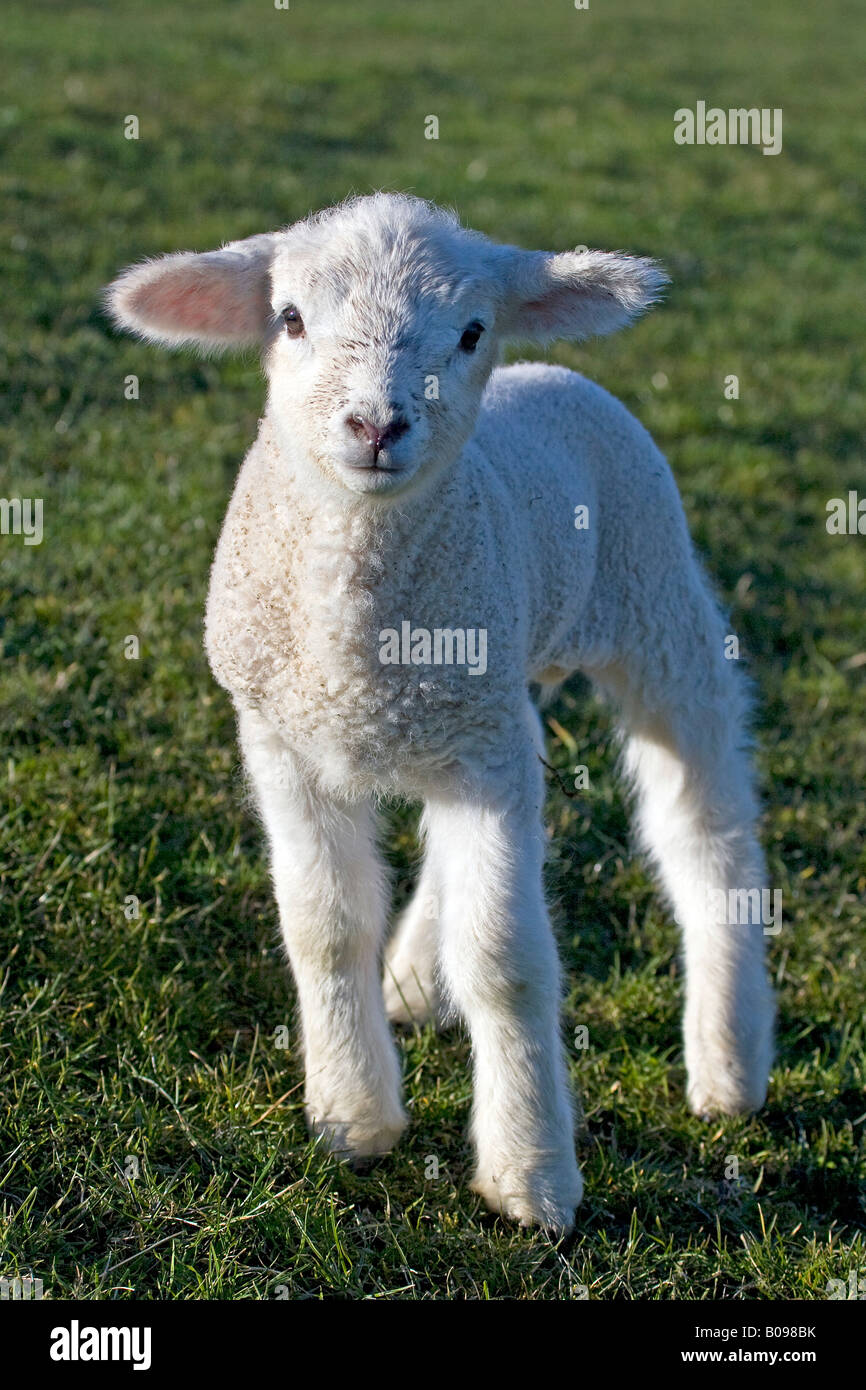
(380,322)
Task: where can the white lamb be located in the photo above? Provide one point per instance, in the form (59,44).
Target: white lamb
(401,477)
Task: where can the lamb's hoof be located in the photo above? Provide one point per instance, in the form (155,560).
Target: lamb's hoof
(726,1093)
(546,1197)
(708,1100)
(357,1142)
(410,1001)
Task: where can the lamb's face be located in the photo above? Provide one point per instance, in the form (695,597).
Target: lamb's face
(380,320)
(385,335)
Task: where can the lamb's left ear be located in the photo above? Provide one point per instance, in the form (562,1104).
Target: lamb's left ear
(576,294)
(218,299)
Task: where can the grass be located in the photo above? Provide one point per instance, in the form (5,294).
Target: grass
(152,1135)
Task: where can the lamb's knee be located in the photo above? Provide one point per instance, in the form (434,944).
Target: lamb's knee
(505,977)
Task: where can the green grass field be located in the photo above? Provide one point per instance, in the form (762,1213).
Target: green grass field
(152,1142)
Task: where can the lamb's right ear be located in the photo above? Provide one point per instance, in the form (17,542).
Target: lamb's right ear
(218,299)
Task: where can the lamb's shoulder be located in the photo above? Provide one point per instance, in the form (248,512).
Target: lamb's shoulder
(558,416)
(561,442)
(245,585)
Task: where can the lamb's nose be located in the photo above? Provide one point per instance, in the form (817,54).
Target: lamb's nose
(378,436)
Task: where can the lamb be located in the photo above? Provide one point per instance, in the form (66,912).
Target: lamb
(402,484)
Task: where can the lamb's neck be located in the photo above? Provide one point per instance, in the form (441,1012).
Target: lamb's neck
(357,538)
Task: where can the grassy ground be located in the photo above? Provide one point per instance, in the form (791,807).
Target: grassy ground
(152,1135)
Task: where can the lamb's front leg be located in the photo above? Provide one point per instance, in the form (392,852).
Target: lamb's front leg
(330,888)
(500,967)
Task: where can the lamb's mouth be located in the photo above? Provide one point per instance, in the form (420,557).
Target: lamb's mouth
(376,468)
(378,477)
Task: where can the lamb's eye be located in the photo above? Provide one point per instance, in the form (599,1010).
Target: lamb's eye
(471,333)
(293,321)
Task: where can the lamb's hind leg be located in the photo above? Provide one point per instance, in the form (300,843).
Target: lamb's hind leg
(330,889)
(683,705)
(410,980)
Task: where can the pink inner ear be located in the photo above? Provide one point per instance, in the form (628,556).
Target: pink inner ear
(542,312)
(209,304)
(553,310)
(556,307)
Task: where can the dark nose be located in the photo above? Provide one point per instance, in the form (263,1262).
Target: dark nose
(378,436)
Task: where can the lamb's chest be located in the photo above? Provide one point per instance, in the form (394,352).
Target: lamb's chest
(337,636)
(357,708)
